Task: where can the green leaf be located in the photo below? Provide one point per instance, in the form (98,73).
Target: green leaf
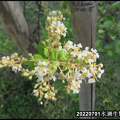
(55,63)
(101,35)
(116,4)
(109,18)
(77,61)
(66,23)
(117,49)
(47,61)
(116,43)
(101,2)
(111,53)
(98,43)
(46,52)
(112,35)
(100,31)
(52,55)
(64,57)
(108,47)
(54,70)
(99,49)
(40,49)
(107,24)
(30,64)
(84,61)
(59,54)
(37,57)
(64,68)
(45,33)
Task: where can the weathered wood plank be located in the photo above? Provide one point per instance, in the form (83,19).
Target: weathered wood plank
(84,31)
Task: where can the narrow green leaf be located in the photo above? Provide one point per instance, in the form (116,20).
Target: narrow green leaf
(52,55)
(64,68)
(46,52)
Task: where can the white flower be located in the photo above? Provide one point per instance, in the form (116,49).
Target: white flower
(102,71)
(86,48)
(91,80)
(75,86)
(53,77)
(40,78)
(53,23)
(85,70)
(75,91)
(8,58)
(64,34)
(79,45)
(14,68)
(64,50)
(53,12)
(77,74)
(44,63)
(73,53)
(79,56)
(93,69)
(41,102)
(64,18)
(58,31)
(60,47)
(39,63)
(97,55)
(93,50)
(90,61)
(65,29)
(34,92)
(89,74)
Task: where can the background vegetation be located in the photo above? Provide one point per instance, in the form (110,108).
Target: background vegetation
(16,100)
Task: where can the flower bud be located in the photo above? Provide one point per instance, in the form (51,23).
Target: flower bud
(52,88)
(63,81)
(30,77)
(100,65)
(30,54)
(48,19)
(43,42)
(44,83)
(59,13)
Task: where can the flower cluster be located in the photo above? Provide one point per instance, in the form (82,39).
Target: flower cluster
(81,64)
(87,64)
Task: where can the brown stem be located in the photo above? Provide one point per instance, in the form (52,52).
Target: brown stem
(108,49)
(109,30)
(105,14)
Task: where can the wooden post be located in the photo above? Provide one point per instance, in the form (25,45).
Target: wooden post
(84,15)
